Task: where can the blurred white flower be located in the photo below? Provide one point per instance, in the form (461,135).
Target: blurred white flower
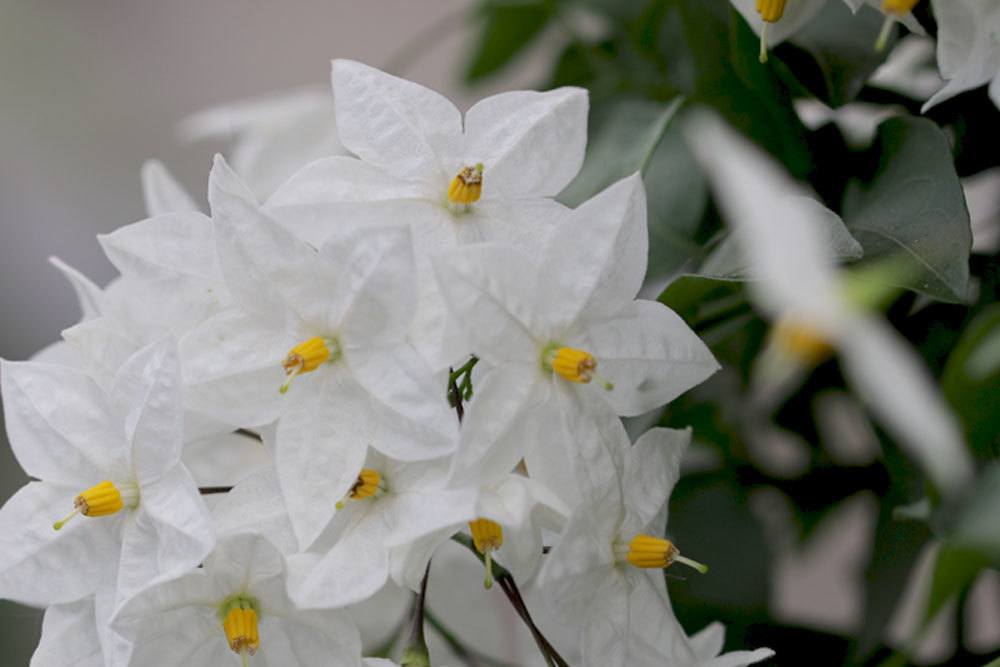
(233,607)
(487,176)
(114,459)
(551,325)
(968,47)
(800,289)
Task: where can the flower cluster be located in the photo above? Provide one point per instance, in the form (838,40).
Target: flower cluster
(260,436)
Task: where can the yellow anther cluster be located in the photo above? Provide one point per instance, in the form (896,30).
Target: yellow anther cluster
(100,500)
(801,341)
(647,551)
(306,357)
(486,535)
(467,186)
(898,7)
(240,625)
(771,10)
(368,484)
(574,365)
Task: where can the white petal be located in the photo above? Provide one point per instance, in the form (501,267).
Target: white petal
(652,468)
(321,446)
(415,421)
(168,247)
(147,393)
(650,355)
(394,124)
(246,561)
(268,270)
(183,525)
(89,295)
(899,389)
(223,459)
(69,637)
(653,637)
(492,290)
(161,191)
(796,16)
(596,260)
(59,424)
(531,143)
(232,369)
(309,638)
(256,505)
(40,566)
(375,283)
(180,636)
(499,427)
(417,513)
(524,223)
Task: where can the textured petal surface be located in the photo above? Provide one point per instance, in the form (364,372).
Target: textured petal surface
(531,143)
(69,637)
(171,246)
(256,505)
(652,468)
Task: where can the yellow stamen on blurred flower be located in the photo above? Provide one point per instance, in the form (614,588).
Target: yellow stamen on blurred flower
(770,12)
(572,364)
(801,341)
(368,485)
(467,186)
(646,551)
(894,10)
(487,535)
(239,621)
(307,356)
(102,500)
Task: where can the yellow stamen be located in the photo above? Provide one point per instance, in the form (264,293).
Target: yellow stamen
(467,186)
(770,12)
(369,485)
(101,500)
(801,341)
(646,551)
(894,10)
(487,535)
(576,366)
(898,7)
(306,357)
(240,625)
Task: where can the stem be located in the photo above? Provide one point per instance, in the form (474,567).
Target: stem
(506,581)
(415,654)
(209,490)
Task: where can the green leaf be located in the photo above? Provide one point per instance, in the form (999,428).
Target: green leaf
(954,570)
(635,135)
(914,209)
(507,29)
(971,382)
(839,44)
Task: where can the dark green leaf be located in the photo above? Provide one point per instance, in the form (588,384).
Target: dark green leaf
(507,29)
(914,209)
(971,382)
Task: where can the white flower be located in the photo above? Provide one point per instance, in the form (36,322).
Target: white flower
(389,521)
(273,136)
(70,636)
(968,47)
(605,571)
(235,609)
(161,191)
(113,458)
(330,328)
(488,175)
(800,288)
(550,326)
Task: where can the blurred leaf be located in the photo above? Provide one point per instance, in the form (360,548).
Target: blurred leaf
(839,44)
(954,570)
(508,27)
(914,208)
(971,382)
(634,135)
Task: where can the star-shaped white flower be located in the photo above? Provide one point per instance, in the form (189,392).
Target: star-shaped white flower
(70,636)
(388,522)
(565,337)
(605,571)
(319,341)
(114,459)
(489,175)
(799,287)
(235,609)
(968,47)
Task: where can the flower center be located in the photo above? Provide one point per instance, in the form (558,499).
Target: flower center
(572,364)
(369,485)
(239,621)
(646,551)
(467,186)
(307,356)
(801,341)
(770,12)
(101,500)
(487,535)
